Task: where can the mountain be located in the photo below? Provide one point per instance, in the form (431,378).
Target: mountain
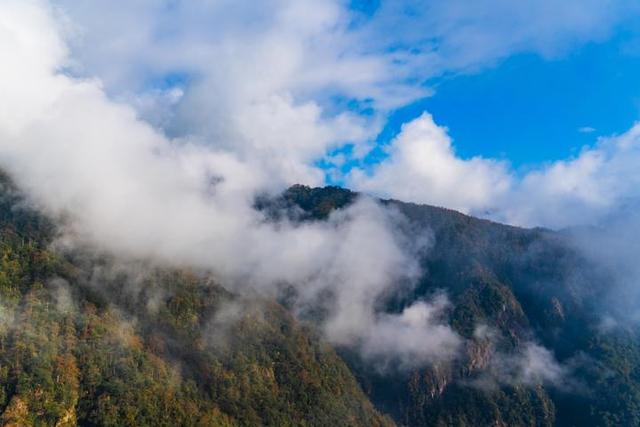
(82,342)
(89,339)
(534,290)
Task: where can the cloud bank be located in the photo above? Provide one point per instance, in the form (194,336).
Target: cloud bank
(283,84)
(151,126)
(115,180)
(422,167)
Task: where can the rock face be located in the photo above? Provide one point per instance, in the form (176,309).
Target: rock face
(87,339)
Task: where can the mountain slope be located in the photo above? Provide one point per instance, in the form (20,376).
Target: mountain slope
(532,290)
(86,339)
(92,340)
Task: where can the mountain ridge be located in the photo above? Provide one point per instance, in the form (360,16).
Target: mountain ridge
(534,287)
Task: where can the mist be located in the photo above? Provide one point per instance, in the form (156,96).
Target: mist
(111,179)
(612,245)
(171,176)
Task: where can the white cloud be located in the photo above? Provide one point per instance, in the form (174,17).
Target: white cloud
(249,73)
(311,46)
(530,365)
(586,129)
(459,35)
(423,167)
(268,81)
(419,330)
(122,184)
(258,108)
(584,190)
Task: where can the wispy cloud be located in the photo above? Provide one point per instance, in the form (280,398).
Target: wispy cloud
(123,185)
(586,129)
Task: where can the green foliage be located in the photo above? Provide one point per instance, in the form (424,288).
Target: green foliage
(525,285)
(80,347)
(86,340)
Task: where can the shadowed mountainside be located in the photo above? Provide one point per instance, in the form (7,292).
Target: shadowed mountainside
(525,286)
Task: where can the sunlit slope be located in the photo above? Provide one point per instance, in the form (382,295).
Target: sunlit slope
(86,339)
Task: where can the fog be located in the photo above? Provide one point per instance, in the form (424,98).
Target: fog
(113,180)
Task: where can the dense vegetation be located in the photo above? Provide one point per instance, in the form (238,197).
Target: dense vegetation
(85,339)
(92,340)
(525,285)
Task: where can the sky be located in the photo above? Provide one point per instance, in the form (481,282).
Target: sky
(530,110)
(512,107)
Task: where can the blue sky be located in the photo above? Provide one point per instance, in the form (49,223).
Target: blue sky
(476,105)
(529,110)
(570,65)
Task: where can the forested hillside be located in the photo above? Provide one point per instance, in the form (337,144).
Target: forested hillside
(513,293)
(90,339)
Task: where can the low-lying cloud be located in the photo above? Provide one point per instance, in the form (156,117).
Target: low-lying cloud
(114,180)
(171,173)
(420,331)
(532,365)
